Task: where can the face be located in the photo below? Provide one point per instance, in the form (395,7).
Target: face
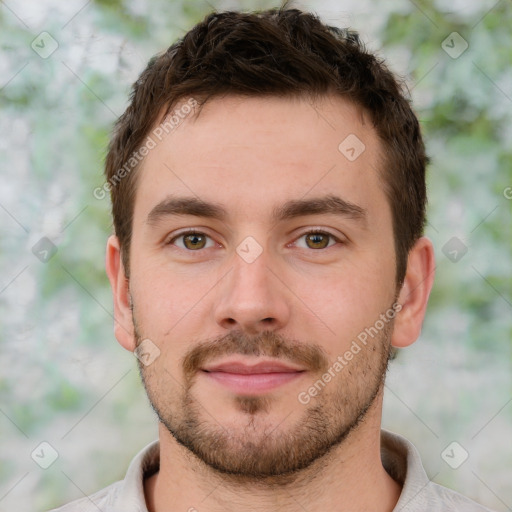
(262,275)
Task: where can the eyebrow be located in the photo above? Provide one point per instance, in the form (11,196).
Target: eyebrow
(172,206)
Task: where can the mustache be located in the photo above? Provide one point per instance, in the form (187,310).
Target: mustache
(270,344)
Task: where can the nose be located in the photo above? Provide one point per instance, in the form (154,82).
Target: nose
(251,297)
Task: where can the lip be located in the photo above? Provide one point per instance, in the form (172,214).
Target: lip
(252,379)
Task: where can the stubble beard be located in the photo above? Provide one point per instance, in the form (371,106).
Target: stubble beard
(255,449)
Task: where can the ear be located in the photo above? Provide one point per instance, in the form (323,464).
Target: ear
(123,323)
(414,293)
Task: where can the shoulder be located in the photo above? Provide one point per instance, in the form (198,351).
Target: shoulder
(402,461)
(125,495)
(100,500)
(437,498)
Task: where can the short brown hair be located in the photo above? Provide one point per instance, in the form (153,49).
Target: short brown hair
(279,52)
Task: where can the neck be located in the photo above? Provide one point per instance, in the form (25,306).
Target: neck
(349,477)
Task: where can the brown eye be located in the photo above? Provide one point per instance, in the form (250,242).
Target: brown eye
(317,240)
(192,241)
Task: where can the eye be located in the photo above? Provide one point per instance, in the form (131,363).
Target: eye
(192,241)
(317,240)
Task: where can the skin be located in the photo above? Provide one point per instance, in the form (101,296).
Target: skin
(251,155)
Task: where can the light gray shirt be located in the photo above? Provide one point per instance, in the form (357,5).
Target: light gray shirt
(399,457)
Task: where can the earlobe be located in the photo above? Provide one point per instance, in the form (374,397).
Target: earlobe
(123,323)
(414,294)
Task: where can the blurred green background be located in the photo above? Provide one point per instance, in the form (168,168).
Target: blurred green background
(65,75)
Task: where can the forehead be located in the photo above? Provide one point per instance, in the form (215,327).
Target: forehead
(253,154)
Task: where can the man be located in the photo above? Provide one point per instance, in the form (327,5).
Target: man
(268,190)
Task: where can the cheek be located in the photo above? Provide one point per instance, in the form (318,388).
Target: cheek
(172,309)
(345,302)
(170,301)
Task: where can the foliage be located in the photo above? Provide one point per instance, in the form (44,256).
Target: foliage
(64,379)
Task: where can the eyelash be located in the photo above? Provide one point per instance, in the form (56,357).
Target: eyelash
(196,232)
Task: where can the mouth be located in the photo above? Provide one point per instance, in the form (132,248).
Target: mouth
(242,377)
